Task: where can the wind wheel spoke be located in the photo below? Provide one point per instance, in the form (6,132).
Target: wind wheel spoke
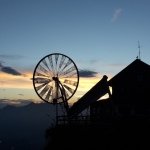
(46,64)
(74,83)
(40,86)
(44,90)
(42,69)
(49,94)
(41,80)
(68,89)
(61,62)
(67,64)
(56,59)
(40,74)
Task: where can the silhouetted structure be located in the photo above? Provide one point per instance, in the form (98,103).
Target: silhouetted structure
(130,89)
(122,121)
(130,93)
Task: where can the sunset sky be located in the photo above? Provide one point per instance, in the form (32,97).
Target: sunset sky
(101,36)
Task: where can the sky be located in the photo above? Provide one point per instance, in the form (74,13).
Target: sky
(98,35)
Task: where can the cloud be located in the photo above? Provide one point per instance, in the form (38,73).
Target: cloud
(14,57)
(117,14)
(87,73)
(9,70)
(18,102)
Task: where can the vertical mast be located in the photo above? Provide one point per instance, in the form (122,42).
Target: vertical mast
(139,47)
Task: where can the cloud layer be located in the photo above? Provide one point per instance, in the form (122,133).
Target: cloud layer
(87,73)
(18,102)
(10,57)
(9,70)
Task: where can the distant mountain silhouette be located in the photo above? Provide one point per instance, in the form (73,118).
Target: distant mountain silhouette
(23,128)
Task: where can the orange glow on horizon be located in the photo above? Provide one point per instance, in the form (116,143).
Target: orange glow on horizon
(84,86)
(11,81)
(24,82)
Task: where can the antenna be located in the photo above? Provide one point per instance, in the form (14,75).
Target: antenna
(139,47)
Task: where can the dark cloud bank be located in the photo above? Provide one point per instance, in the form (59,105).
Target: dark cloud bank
(9,70)
(87,73)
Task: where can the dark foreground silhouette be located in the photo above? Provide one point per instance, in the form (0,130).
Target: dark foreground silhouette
(125,133)
(121,122)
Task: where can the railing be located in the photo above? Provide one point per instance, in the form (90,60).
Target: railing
(78,120)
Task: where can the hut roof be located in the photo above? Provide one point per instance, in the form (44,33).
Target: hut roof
(137,67)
